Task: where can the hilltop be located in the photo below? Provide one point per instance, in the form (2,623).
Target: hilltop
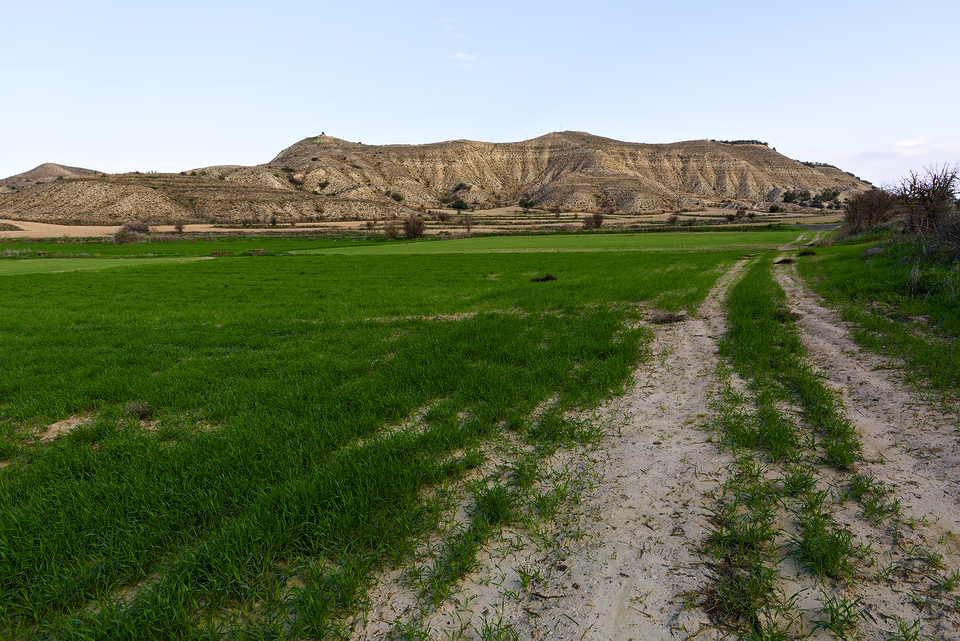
(324,177)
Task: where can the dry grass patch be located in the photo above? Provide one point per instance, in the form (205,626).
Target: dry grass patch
(665,318)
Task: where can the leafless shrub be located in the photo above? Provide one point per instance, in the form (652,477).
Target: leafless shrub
(136,226)
(673,219)
(414,227)
(593,221)
(928,198)
(391,229)
(741,213)
(468,222)
(868,209)
(133,231)
(690,222)
(178,226)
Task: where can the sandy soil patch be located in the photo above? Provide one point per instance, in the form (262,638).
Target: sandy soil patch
(63,426)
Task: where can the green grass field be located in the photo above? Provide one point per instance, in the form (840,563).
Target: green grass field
(901,305)
(259,421)
(262,431)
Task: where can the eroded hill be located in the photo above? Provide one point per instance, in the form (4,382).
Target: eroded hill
(328,178)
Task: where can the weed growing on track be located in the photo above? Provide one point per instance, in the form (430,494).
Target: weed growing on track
(789,425)
(763,344)
(301,407)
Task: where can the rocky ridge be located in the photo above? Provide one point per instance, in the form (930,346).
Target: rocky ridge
(324,177)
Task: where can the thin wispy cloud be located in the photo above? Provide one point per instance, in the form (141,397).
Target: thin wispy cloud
(449,25)
(463,59)
(886,164)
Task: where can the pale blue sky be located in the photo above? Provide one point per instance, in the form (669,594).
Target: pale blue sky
(121,86)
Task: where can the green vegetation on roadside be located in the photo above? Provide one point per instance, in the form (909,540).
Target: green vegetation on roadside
(782,500)
(901,305)
(262,431)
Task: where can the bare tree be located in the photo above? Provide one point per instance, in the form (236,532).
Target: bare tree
(868,209)
(593,221)
(928,197)
(391,228)
(414,227)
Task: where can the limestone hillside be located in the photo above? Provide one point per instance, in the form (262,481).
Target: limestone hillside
(328,178)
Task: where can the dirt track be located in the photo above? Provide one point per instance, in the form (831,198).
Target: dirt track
(628,563)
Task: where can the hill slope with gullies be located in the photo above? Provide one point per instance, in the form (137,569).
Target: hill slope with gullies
(328,178)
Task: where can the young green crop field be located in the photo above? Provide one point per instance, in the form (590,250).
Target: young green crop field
(256,421)
(231,439)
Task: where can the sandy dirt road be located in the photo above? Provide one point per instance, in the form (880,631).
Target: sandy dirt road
(628,564)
